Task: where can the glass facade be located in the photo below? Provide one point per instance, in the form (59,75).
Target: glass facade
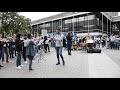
(86,23)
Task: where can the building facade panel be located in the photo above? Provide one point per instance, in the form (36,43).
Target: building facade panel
(77,22)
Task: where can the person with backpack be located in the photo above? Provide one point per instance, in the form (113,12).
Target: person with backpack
(30,50)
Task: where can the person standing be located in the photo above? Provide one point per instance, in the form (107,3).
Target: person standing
(58,46)
(108,42)
(18,45)
(69,43)
(30,50)
(46,44)
(64,43)
(11,48)
(1,50)
(24,49)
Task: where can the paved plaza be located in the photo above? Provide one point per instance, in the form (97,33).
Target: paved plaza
(79,65)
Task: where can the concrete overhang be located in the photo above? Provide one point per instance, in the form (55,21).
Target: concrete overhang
(116,18)
(67,15)
(58,16)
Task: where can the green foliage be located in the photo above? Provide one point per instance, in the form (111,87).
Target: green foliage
(12,23)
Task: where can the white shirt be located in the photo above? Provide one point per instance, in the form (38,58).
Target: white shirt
(47,42)
(25,43)
(40,42)
(107,39)
(112,38)
(59,40)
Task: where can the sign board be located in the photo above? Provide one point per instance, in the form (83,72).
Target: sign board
(44,33)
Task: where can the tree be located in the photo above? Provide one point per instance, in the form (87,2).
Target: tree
(12,23)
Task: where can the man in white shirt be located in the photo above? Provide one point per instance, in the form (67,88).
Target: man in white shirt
(59,45)
(24,49)
(112,39)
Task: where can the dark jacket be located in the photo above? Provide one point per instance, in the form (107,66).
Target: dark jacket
(18,45)
(1,45)
(30,49)
(64,42)
(69,40)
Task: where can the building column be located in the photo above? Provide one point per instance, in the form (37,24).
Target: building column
(73,25)
(52,26)
(115,27)
(61,25)
(37,29)
(110,27)
(44,26)
(34,33)
(88,25)
(119,32)
(102,25)
(107,26)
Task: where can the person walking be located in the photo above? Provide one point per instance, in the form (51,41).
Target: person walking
(64,43)
(18,45)
(24,49)
(1,50)
(46,44)
(69,43)
(58,46)
(11,48)
(30,50)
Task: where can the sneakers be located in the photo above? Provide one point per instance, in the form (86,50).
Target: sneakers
(1,66)
(18,67)
(58,63)
(7,61)
(63,63)
(69,54)
(33,61)
(31,69)
(21,65)
(26,62)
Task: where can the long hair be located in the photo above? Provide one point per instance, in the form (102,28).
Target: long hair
(18,36)
(29,36)
(45,37)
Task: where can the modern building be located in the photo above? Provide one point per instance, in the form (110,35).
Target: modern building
(80,23)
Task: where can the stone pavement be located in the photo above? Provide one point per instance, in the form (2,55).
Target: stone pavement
(78,65)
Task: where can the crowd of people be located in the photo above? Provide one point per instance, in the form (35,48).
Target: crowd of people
(26,46)
(19,46)
(109,42)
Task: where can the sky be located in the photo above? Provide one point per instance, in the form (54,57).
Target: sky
(38,15)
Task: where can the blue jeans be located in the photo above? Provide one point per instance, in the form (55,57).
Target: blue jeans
(1,53)
(69,49)
(59,52)
(18,62)
(112,44)
(30,62)
(7,54)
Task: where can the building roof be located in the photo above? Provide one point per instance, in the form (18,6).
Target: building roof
(116,18)
(70,14)
(56,17)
